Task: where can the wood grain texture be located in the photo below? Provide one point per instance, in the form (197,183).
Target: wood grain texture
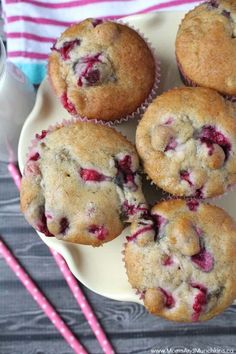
(24,329)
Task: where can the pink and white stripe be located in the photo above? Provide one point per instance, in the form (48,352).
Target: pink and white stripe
(31,26)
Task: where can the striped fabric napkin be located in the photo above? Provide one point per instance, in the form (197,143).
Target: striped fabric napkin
(31,26)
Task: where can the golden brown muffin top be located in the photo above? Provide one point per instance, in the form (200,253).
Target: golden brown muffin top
(206,46)
(175,262)
(187,142)
(101,70)
(81,184)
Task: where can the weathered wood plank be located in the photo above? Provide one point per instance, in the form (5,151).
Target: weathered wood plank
(132,345)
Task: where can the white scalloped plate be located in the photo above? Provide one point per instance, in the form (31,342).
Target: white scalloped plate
(102,269)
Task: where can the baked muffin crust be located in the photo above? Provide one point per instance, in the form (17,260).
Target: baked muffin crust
(101,70)
(187,142)
(81,184)
(206,46)
(174,260)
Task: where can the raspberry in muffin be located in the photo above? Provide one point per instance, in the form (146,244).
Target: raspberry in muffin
(174,260)
(81,184)
(101,70)
(206,47)
(187,142)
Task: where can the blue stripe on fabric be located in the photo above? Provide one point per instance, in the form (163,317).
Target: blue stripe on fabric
(34,71)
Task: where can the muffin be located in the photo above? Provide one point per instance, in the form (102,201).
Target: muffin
(101,70)
(187,142)
(206,48)
(174,260)
(81,184)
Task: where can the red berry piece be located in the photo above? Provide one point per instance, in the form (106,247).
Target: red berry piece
(42,135)
(64,225)
(96,22)
(92,77)
(169,300)
(131,209)
(169,121)
(48,216)
(87,70)
(209,136)
(125,176)
(91,175)
(192,204)
(66,48)
(125,164)
(171,145)
(140,293)
(226,13)
(203,260)
(199,231)
(214,3)
(167,261)
(185,175)
(34,157)
(144,229)
(200,301)
(199,193)
(100,232)
(159,221)
(69,106)
(42,226)
(199,286)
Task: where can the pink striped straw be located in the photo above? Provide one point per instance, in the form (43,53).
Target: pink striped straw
(41,300)
(15,174)
(81,300)
(73,284)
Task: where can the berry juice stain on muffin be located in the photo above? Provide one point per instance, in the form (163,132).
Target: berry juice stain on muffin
(205,49)
(93,69)
(176,264)
(187,141)
(66,47)
(70,186)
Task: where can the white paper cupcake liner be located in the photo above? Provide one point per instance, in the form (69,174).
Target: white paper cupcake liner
(153,93)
